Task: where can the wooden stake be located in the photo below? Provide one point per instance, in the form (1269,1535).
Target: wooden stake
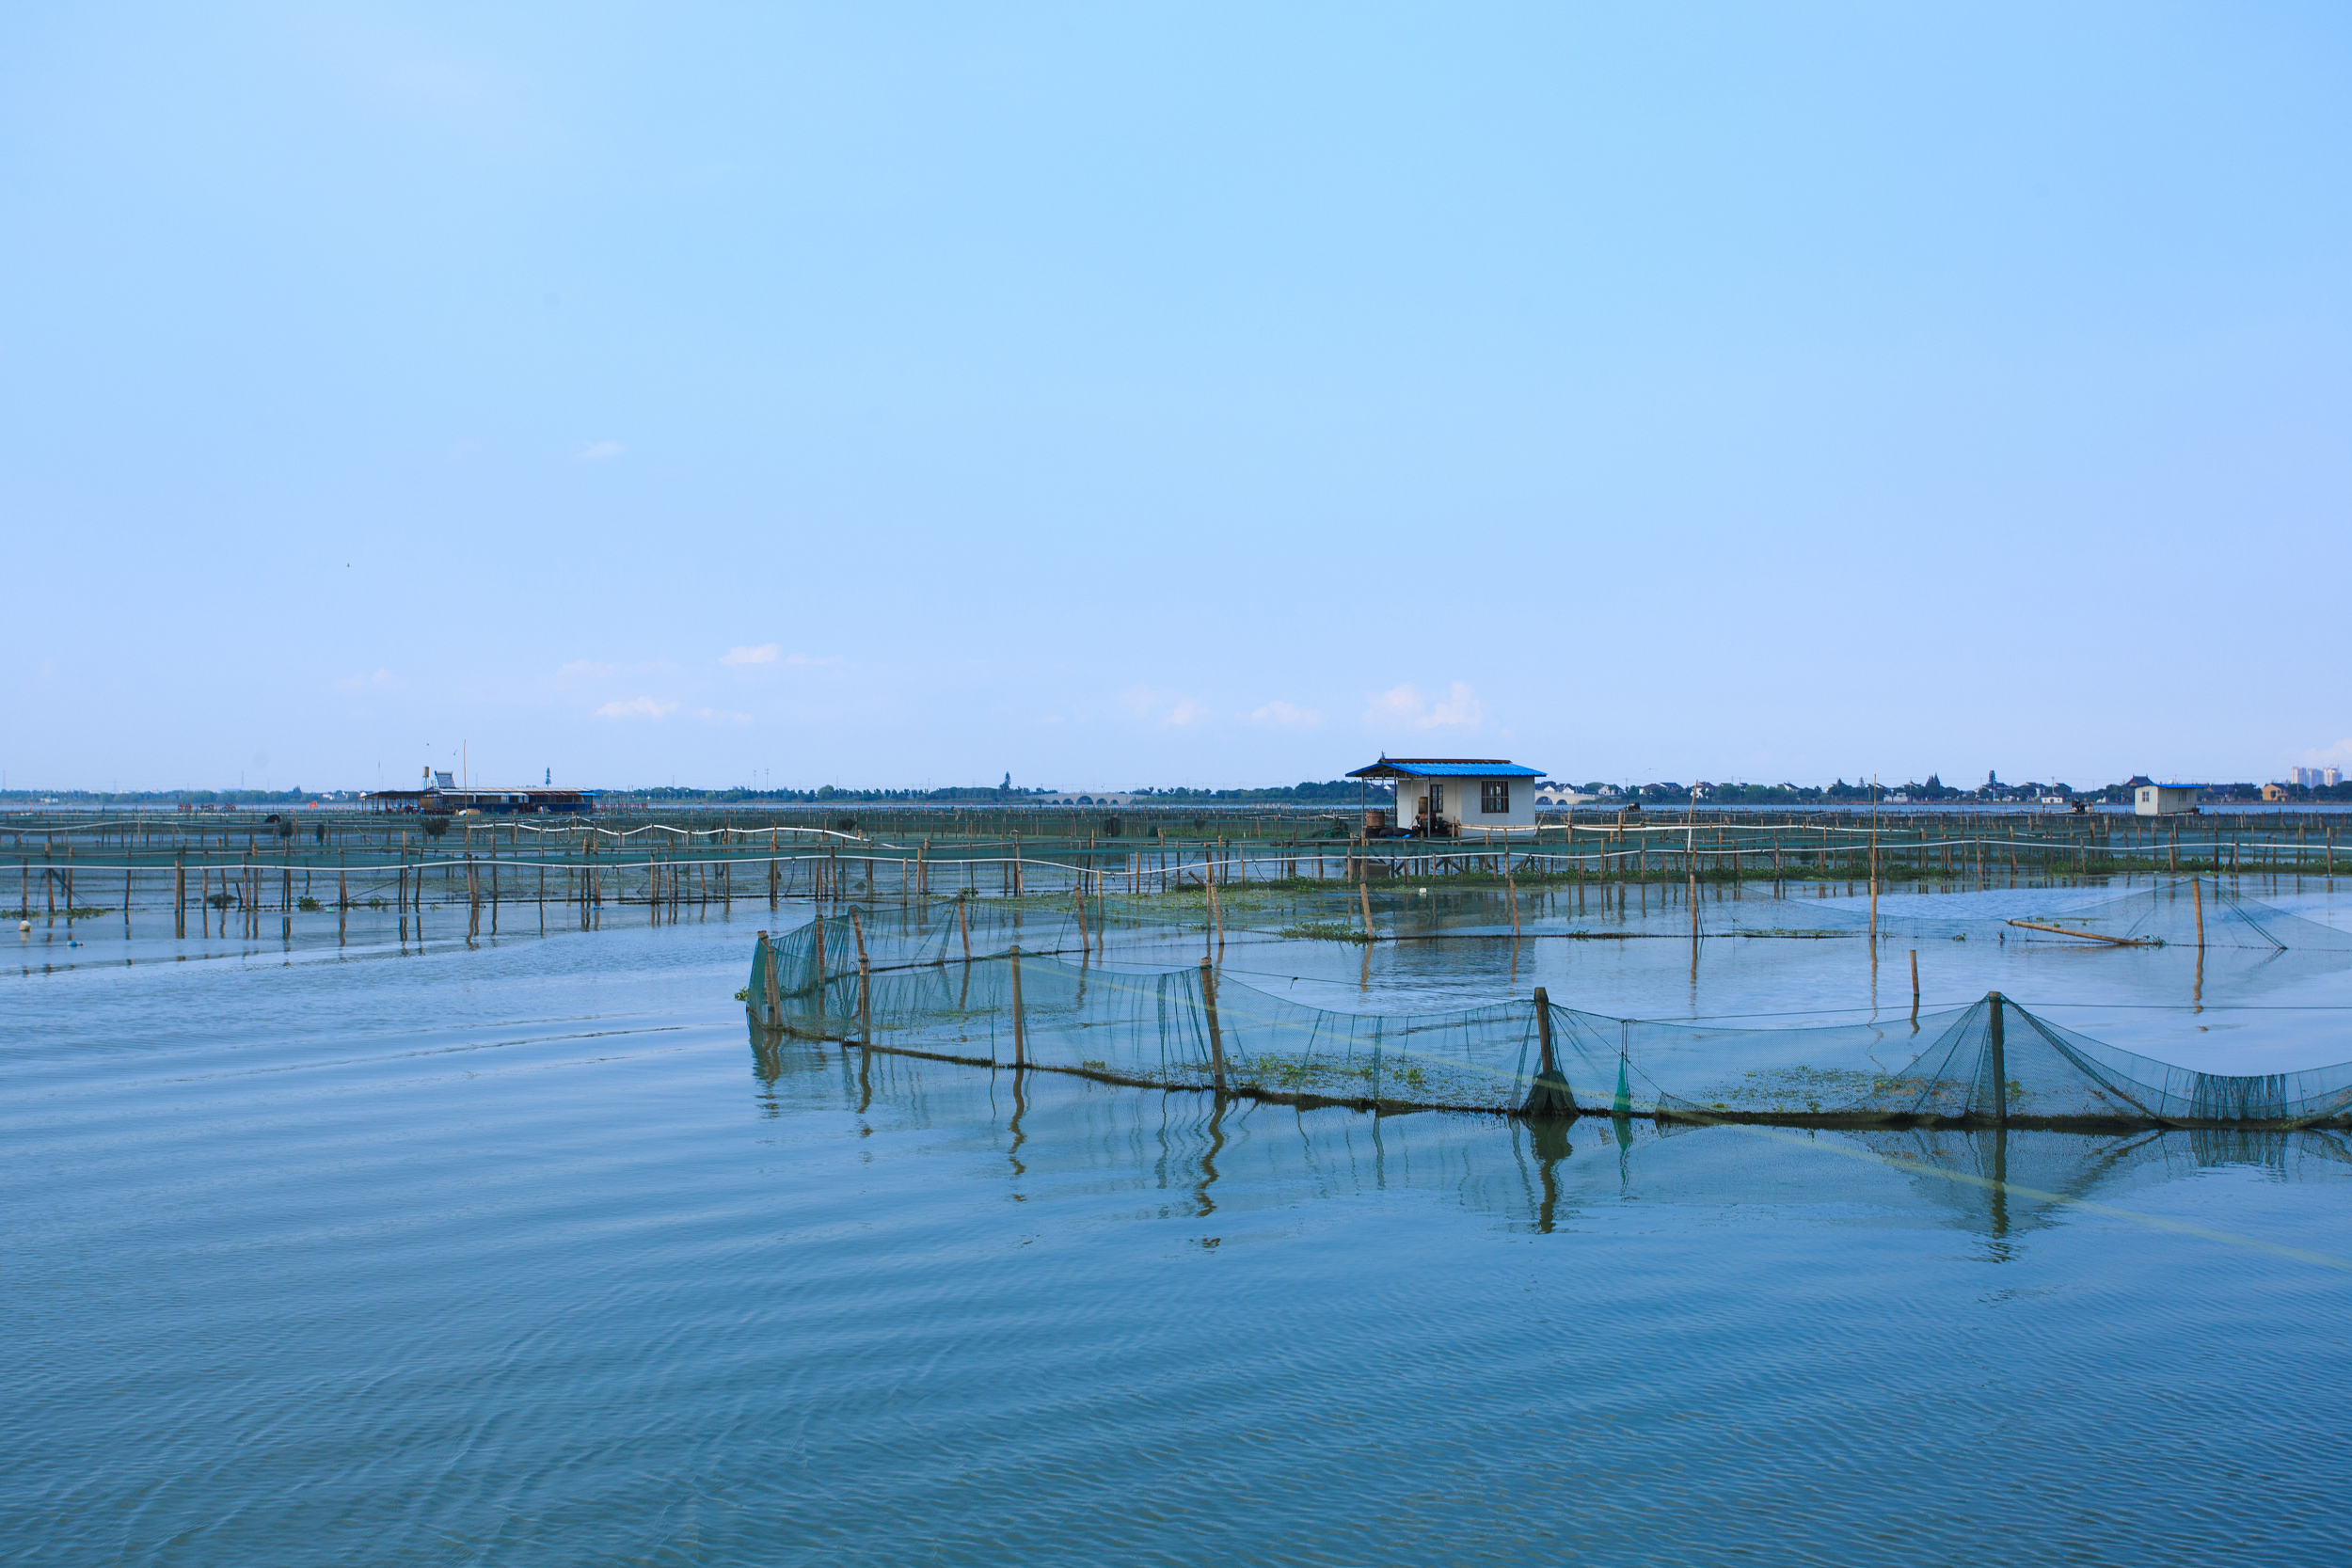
(775,987)
(1914,985)
(1997,1060)
(1216,1038)
(1020,1021)
(864,1006)
(1874,865)
(1216,917)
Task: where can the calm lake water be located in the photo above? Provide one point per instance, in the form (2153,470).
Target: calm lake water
(529,1253)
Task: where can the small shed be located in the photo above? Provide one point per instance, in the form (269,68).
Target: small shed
(1449,797)
(2151,798)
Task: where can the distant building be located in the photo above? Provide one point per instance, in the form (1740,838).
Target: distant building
(2315,778)
(1451,796)
(2276,792)
(441,800)
(2151,798)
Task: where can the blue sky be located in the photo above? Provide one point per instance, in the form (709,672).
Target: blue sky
(1212,395)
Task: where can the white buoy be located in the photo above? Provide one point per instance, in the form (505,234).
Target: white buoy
(24,928)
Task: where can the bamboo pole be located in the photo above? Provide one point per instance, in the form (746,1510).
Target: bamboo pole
(2087,936)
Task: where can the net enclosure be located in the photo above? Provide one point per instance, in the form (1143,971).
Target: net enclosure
(965,981)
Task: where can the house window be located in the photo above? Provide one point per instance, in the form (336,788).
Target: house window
(1494,796)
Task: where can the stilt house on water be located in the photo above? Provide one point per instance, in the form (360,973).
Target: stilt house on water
(1451,796)
(442,797)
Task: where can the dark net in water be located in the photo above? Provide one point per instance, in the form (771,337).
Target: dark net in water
(969,982)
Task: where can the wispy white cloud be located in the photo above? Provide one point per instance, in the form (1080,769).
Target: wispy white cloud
(383,680)
(597,451)
(586,670)
(765,653)
(637,707)
(1279,712)
(1163,708)
(1459,708)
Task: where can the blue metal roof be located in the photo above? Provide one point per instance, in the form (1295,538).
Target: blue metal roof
(1446,767)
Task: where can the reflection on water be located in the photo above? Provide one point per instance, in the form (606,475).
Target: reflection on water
(521,1253)
(1994,1182)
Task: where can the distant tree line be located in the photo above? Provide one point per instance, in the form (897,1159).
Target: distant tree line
(1934,791)
(1329,792)
(1332,791)
(1335,791)
(164,796)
